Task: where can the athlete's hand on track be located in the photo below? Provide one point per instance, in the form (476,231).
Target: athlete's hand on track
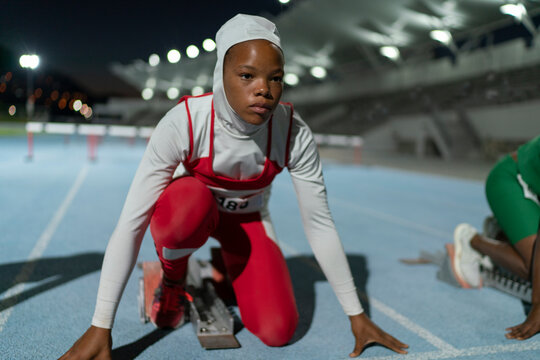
(528,328)
(96,344)
(366,332)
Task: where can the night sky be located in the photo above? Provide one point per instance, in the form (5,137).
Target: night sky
(81,39)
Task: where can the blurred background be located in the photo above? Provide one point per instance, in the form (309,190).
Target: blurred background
(432,80)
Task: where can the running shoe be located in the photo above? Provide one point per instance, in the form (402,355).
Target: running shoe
(466,260)
(169,306)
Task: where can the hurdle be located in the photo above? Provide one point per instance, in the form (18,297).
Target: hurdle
(354,141)
(93,132)
(129,132)
(31,128)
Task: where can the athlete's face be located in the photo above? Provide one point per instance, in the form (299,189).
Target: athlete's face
(253,79)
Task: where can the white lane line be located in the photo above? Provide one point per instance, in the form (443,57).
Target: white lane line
(392,314)
(393,219)
(47,234)
(39,248)
(387,218)
(448,351)
(411,326)
(463,353)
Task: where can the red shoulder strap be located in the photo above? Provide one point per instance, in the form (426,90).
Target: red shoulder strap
(184,99)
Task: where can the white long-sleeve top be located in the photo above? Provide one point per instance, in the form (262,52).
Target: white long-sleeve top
(235,156)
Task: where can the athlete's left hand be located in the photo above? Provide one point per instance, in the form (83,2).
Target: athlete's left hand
(367,332)
(528,328)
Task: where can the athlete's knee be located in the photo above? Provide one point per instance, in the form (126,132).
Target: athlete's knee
(279,330)
(184,215)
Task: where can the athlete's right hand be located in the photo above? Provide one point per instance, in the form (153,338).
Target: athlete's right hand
(367,332)
(96,343)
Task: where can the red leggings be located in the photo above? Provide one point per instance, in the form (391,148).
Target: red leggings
(186,215)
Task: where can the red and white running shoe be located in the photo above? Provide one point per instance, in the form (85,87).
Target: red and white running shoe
(169,305)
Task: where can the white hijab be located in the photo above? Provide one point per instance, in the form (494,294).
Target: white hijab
(238,29)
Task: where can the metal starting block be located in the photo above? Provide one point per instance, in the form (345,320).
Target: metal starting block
(148,284)
(504,281)
(212,321)
(496,278)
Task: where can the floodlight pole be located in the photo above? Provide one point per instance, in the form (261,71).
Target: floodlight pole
(29,94)
(29,62)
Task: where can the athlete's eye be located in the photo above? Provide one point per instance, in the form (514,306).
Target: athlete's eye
(246,76)
(277,79)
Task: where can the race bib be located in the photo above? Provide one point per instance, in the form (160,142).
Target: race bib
(249,204)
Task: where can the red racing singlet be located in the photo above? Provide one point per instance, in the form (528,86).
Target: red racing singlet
(202,168)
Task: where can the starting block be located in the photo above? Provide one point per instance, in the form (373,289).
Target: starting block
(492,276)
(496,277)
(504,281)
(212,321)
(148,284)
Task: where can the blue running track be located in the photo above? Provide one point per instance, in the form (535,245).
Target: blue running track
(58,211)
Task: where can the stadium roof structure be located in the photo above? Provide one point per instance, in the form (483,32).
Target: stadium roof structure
(370,47)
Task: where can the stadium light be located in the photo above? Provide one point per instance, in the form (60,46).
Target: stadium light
(390,52)
(442,36)
(445,38)
(192,51)
(30,62)
(197,90)
(153,60)
(209,45)
(84,109)
(172,93)
(88,113)
(284,1)
(519,12)
(516,10)
(318,71)
(173,56)
(77,105)
(291,79)
(147,93)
